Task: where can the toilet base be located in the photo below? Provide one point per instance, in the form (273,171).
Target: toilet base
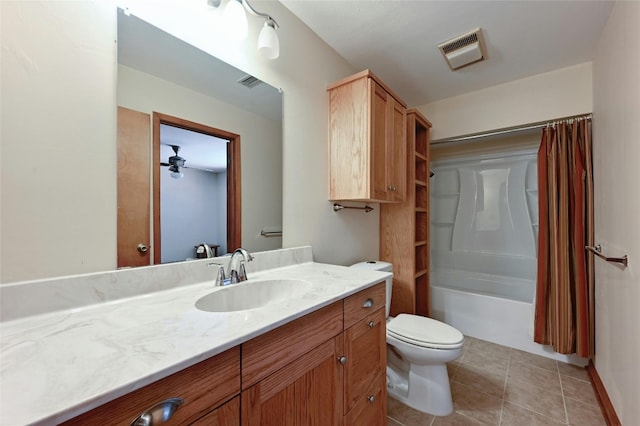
(424,388)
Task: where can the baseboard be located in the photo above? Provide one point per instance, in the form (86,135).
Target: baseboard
(606,406)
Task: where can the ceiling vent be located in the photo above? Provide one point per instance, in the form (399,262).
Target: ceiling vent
(249,81)
(464,50)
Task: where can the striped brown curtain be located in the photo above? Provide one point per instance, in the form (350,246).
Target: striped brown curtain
(564,310)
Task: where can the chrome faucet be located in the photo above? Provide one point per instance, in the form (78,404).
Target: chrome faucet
(236,273)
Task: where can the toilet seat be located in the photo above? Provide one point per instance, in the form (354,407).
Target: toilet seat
(424,332)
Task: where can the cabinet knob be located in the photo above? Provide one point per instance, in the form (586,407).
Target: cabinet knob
(159,413)
(392,188)
(367,303)
(371,399)
(342,360)
(371,324)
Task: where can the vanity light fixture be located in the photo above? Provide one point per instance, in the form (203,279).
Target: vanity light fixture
(235,19)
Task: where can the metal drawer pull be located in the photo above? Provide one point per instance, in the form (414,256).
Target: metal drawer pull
(342,360)
(371,324)
(367,303)
(371,399)
(159,413)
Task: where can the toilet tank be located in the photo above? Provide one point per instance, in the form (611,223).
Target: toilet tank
(377,265)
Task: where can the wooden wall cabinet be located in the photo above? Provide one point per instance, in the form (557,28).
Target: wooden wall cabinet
(367,139)
(404,227)
(325,368)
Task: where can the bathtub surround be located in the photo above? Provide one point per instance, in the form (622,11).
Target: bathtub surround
(565,280)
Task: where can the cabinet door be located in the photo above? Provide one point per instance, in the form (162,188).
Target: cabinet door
(365,349)
(371,410)
(397,150)
(388,145)
(379,135)
(306,392)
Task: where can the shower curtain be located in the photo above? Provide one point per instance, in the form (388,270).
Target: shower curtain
(564,310)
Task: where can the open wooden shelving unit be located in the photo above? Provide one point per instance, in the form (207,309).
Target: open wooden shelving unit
(404,227)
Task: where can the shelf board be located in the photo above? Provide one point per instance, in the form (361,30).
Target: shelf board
(420,183)
(421,273)
(421,243)
(421,210)
(421,156)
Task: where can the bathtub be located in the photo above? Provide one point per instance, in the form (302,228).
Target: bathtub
(499,320)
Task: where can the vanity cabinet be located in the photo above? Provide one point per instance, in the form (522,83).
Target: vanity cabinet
(404,227)
(366,357)
(205,388)
(367,140)
(324,368)
(320,369)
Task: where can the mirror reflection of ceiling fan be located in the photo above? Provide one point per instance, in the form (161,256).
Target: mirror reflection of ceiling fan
(175,163)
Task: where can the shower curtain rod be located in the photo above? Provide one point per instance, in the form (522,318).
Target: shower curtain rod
(508,130)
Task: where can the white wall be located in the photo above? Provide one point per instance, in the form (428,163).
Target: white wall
(261,145)
(58,162)
(547,96)
(616,67)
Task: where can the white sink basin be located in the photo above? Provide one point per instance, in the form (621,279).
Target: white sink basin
(251,294)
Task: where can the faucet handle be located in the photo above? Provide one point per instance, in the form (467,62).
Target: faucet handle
(221,278)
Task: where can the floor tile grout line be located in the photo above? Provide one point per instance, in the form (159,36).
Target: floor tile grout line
(537,412)
(564,401)
(504,386)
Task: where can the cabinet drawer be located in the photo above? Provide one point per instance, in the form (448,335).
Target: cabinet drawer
(203,387)
(366,351)
(363,303)
(371,409)
(271,351)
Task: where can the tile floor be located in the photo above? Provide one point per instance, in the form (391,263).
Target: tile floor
(497,385)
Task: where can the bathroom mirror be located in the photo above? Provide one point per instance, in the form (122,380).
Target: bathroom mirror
(160,73)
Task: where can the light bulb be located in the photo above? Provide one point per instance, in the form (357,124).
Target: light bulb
(235,20)
(268,43)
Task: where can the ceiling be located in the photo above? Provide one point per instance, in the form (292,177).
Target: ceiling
(200,151)
(398,40)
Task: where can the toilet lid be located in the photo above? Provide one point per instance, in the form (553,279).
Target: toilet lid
(423,331)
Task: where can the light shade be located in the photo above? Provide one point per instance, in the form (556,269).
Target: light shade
(235,20)
(268,43)
(175,171)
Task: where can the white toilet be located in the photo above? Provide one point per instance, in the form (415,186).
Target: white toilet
(418,349)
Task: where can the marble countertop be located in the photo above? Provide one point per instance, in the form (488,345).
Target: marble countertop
(60,364)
